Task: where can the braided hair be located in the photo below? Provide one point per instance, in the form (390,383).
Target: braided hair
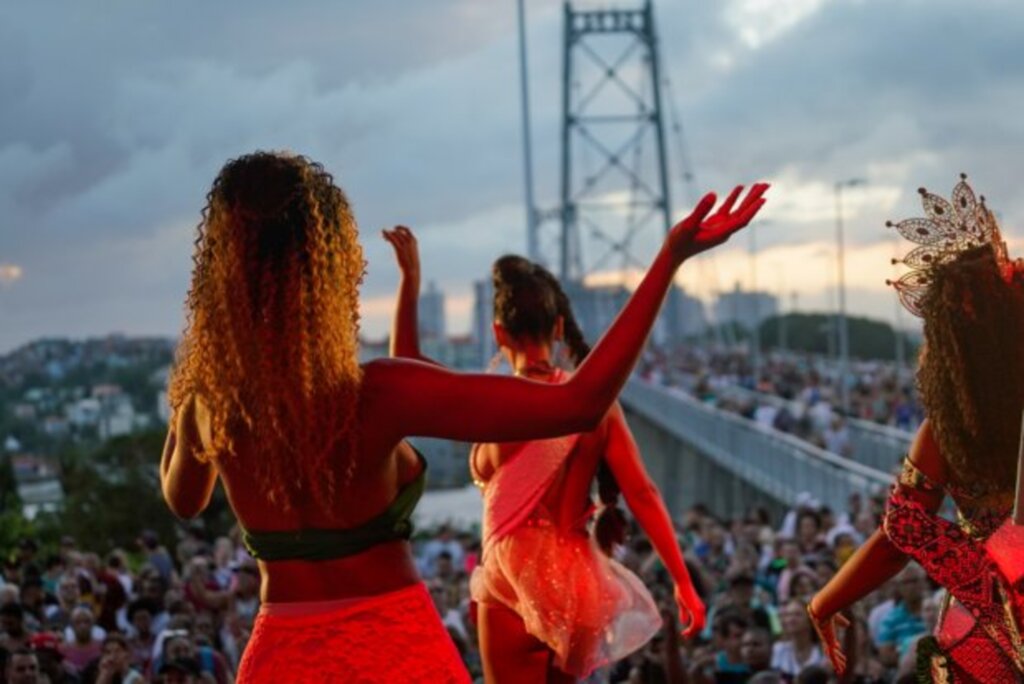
(528,300)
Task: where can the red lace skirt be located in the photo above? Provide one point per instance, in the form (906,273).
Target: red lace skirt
(394,637)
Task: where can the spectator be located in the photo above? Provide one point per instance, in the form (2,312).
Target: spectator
(156,555)
(797,648)
(32,600)
(813,674)
(142,636)
(930,608)
(179,645)
(792,565)
(69,595)
(54,570)
(809,533)
(224,562)
(837,438)
(905,620)
(22,667)
(729,667)
(114,663)
(201,587)
(152,588)
(443,542)
(246,593)
(180,671)
(756,649)
(13,634)
(740,599)
(83,639)
(803,584)
(194,544)
(52,668)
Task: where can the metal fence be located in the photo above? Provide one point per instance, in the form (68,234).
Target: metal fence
(777,463)
(877,446)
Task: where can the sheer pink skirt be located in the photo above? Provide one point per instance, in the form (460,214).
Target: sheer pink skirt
(394,637)
(586,607)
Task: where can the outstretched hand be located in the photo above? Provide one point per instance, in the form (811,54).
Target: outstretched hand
(826,629)
(691,613)
(407,252)
(702,230)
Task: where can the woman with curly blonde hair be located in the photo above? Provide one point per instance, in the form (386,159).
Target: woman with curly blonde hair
(269,397)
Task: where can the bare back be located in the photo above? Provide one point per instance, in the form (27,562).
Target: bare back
(568,498)
(384,466)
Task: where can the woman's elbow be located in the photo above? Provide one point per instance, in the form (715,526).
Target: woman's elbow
(183,504)
(584,419)
(588,411)
(183,508)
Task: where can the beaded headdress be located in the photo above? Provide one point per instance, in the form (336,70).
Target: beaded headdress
(951,227)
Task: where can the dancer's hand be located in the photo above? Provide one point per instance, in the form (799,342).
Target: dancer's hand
(702,230)
(826,629)
(407,252)
(691,611)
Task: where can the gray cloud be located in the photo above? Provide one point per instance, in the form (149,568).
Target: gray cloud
(114,123)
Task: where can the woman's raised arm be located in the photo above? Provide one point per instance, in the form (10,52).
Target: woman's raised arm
(420,399)
(405,334)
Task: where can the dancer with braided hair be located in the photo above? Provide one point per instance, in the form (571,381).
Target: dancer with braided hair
(552,604)
(268,396)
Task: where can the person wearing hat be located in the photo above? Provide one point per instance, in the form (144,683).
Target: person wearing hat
(50,656)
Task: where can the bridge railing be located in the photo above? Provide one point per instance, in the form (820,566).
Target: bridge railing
(774,462)
(876,446)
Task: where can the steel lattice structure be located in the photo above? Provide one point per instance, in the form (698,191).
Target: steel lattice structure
(611,110)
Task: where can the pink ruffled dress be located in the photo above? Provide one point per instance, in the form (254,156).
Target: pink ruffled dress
(588,608)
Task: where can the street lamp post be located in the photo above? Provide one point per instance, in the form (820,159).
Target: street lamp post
(843,331)
(755,337)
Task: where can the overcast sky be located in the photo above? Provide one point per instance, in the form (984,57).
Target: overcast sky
(116,116)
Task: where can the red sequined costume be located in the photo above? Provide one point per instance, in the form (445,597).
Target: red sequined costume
(977,638)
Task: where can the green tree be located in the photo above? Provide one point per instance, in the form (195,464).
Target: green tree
(113,493)
(869,338)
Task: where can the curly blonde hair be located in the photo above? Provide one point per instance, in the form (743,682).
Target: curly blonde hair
(272,319)
(971,377)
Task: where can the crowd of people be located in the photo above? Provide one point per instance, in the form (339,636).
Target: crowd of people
(144,615)
(183,613)
(795,393)
(756,576)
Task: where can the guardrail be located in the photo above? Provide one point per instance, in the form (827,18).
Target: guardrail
(877,446)
(773,461)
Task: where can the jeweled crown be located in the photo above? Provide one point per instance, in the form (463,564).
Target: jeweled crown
(950,228)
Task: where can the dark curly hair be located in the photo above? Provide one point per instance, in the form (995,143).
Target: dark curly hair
(971,376)
(528,300)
